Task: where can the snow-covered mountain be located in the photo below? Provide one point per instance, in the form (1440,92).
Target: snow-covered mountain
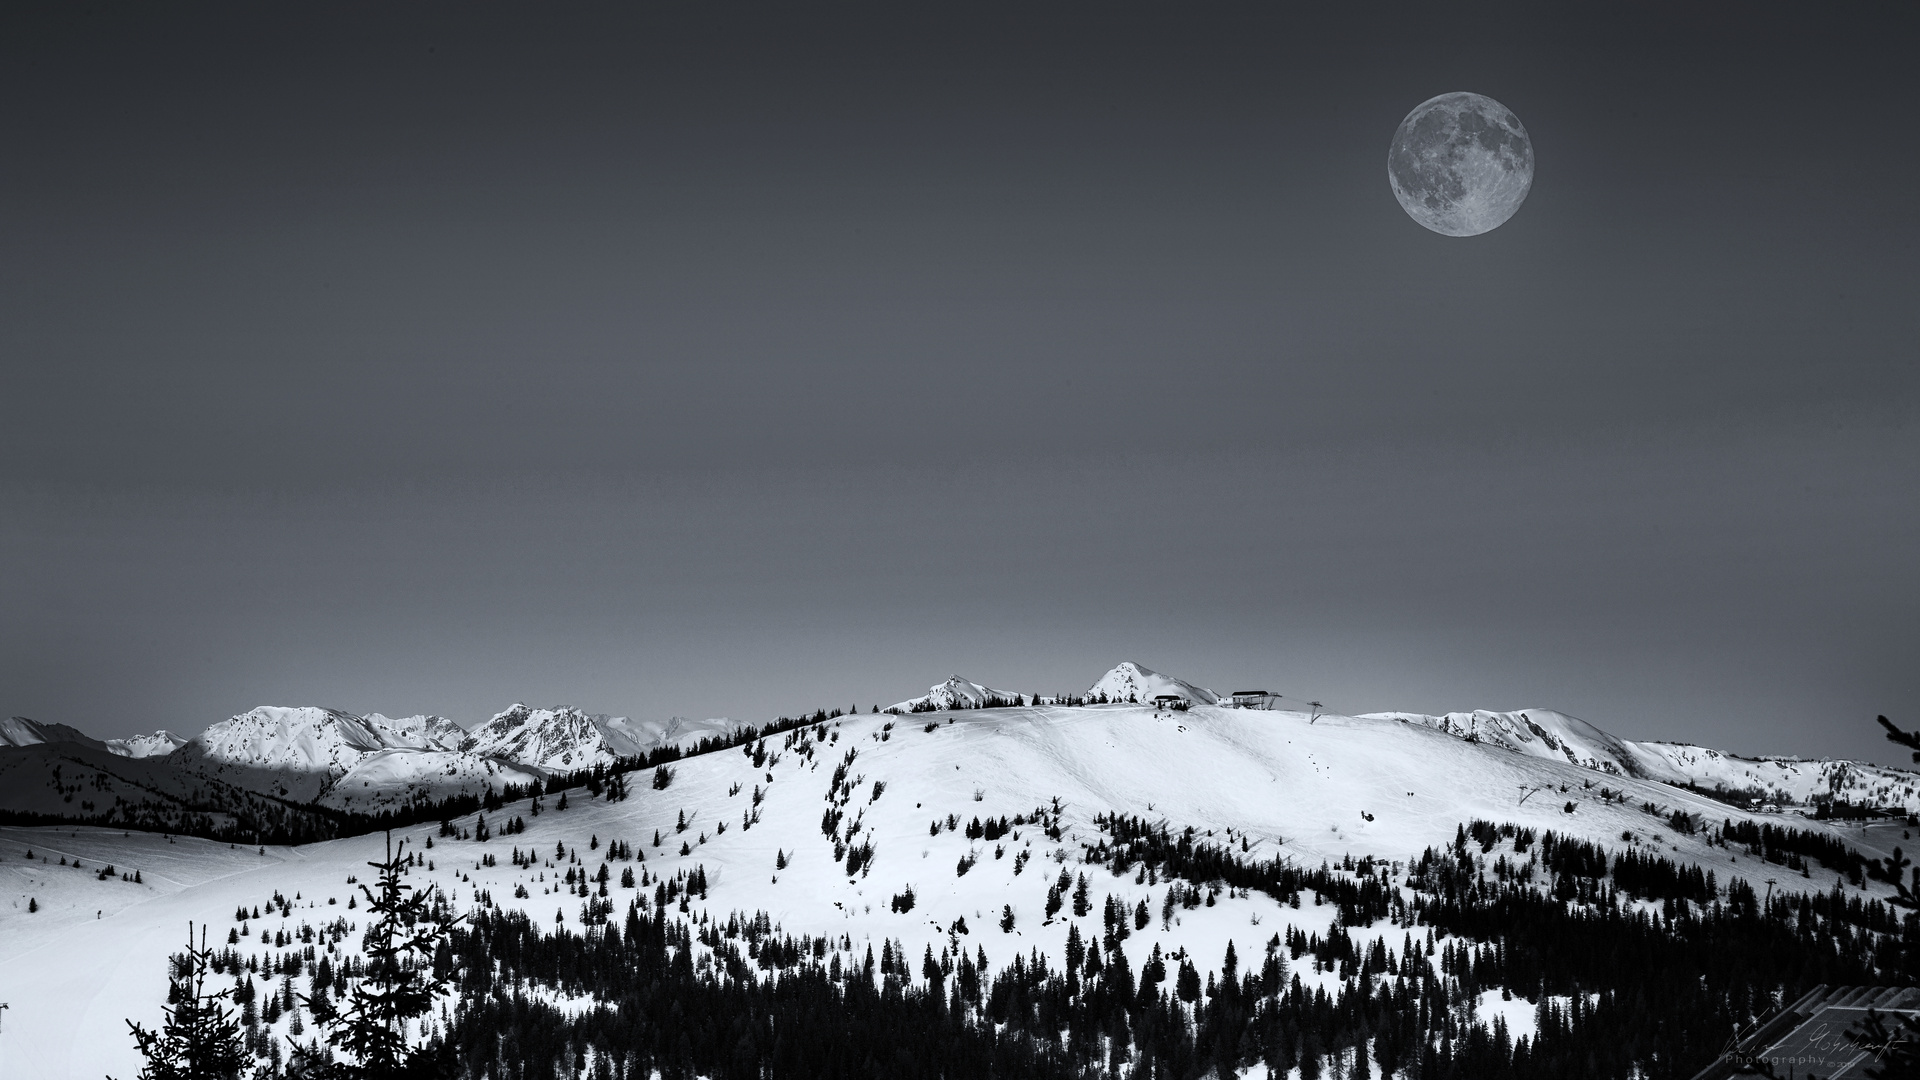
(346,760)
(1555,736)
(158,744)
(306,754)
(912,801)
(1544,733)
(20,731)
(328,757)
(955,693)
(417,732)
(1131,682)
(88,782)
(565,738)
(294,753)
(680,731)
(394,777)
(1788,780)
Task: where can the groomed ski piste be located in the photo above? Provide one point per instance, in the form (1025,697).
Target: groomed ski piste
(1267,783)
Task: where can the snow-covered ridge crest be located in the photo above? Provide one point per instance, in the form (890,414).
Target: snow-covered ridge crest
(955,693)
(417,732)
(20,731)
(1128,681)
(1545,733)
(566,738)
(158,744)
(1555,736)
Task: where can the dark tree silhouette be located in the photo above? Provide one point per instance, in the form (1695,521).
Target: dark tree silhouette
(1896,1054)
(1908,739)
(408,925)
(200,1039)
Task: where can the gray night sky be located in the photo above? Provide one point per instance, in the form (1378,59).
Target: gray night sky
(720,361)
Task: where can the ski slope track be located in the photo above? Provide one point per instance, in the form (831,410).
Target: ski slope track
(1282,783)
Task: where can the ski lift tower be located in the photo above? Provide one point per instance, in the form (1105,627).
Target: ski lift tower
(1315,718)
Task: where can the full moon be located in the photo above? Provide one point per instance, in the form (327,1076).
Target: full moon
(1461,164)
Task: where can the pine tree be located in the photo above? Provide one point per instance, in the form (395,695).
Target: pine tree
(1187,983)
(200,1039)
(408,924)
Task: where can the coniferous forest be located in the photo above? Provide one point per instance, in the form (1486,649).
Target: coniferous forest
(1624,992)
(1640,968)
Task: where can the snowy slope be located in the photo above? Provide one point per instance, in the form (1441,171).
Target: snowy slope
(1272,780)
(955,693)
(680,731)
(75,780)
(1131,682)
(1555,736)
(158,744)
(416,732)
(20,731)
(1789,779)
(386,779)
(1546,734)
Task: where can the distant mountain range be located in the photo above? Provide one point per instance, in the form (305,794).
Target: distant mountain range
(972,828)
(20,731)
(1127,683)
(291,758)
(263,767)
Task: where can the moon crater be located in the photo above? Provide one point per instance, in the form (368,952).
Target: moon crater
(1461,164)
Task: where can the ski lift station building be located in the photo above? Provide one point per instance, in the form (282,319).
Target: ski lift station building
(1250,699)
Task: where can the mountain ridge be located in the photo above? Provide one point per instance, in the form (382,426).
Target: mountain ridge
(337,759)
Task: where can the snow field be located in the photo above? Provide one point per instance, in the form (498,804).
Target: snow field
(1310,791)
